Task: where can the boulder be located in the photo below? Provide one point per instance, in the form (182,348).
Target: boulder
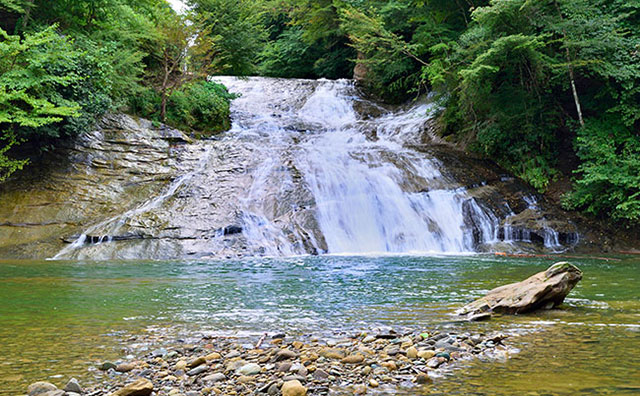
(544,290)
(141,387)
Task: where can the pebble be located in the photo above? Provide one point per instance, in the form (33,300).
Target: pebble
(293,388)
(141,387)
(213,378)
(197,370)
(387,359)
(422,379)
(125,367)
(353,359)
(73,386)
(249,369)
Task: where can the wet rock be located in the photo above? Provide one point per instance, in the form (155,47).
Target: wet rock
(73,386)
(107,366)
(545,289)
(293,388)
(38,388)
(435,362)
(141,387)
(422,379)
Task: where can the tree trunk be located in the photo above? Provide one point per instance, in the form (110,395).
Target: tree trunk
(163,92)
(573,88)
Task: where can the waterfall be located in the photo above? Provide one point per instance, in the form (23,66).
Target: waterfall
(308,167)
(371,193)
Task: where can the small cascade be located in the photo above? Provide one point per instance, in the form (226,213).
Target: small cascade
(110,228)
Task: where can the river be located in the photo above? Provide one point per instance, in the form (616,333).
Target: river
(63,318)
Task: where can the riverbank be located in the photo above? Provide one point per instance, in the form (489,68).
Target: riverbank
(383,360)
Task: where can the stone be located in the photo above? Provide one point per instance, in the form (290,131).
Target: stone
(141,387)
(180,365)
(125,367)
(285,354)
(332,353)
(57,392)
(353,359)
(422,379)
(159,352)
(38,388)
(360,390)
(445,355)
(426,354)
(107,366)
(369,339)
(435,362)
(213,356)
(197,370)
(73,386)
(390,365)
(545,289)
(293,388)
(412,353)
(249,369)
(320,375)
(273,390)
(245,379)
(373,383)
(197,361)
(213,378)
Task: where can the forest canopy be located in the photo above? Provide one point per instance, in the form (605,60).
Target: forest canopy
(549,89)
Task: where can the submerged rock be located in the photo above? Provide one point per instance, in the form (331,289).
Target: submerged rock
(543,290)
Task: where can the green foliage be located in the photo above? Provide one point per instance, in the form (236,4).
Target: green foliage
(288,56)
(201,107)
(29,96)
(235,29)
(609,182)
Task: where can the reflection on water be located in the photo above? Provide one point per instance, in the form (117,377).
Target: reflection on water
(58,318)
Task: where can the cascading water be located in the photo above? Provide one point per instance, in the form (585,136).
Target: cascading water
(308,167)
(370,194)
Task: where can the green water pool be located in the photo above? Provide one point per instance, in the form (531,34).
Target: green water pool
(59,319)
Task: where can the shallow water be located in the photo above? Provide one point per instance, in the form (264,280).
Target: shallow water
(61,318)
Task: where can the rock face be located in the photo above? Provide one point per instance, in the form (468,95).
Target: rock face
(543,290)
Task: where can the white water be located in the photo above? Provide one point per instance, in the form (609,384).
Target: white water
(326,171)
(369,193)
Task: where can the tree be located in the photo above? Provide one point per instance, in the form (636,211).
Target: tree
(26,85)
